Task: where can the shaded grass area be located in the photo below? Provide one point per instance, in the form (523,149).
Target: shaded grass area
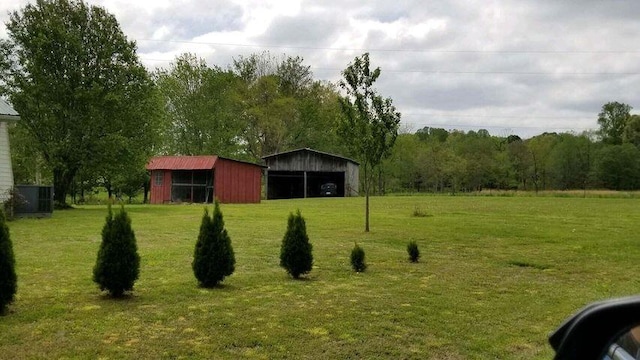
(496,276)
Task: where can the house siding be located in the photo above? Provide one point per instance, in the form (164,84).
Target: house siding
(6,171)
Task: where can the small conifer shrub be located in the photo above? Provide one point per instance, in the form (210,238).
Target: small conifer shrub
(357,259)
(213,258)
(413,251)
(8,278)
(296,251)
(118,263)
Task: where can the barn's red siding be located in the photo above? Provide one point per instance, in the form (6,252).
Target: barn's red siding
(236,182)
(233,181)
(160,193)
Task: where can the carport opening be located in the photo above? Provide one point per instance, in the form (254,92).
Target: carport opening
(290,184)
(315,180)
(285,185)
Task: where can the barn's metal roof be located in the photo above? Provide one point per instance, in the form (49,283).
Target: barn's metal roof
(182,162)
(312,151)
(202,162)
(7,112)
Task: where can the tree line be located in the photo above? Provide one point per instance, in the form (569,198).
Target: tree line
(439,160)
(92,115)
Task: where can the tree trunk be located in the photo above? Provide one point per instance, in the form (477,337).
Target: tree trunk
(145,190)
(367,186)
(61,183)
(366,210)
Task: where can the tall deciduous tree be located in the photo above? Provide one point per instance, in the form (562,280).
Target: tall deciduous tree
(267,115)
(613,119)
(370,123)
(251,68)
(78,85)
(201,104)
(318,115)
(571,161)
(617,167)
(295,78)
(631,133)
(521,160)
(541,147)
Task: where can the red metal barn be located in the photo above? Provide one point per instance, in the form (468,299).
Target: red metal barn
(201,179)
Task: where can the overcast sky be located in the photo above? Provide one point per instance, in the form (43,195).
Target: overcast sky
(518,67)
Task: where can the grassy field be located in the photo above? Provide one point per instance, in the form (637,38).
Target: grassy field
(497,275)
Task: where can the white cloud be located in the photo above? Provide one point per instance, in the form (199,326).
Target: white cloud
(524,66)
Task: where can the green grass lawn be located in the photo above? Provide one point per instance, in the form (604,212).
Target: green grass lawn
(497,275)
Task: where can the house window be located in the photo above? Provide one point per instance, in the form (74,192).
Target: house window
(158,178)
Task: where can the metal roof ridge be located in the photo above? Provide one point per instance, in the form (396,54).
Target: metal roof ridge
(195,160)
(311,150)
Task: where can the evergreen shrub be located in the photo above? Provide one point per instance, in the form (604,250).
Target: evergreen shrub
(357,259)
(213,258)
(413,251)
(118,263)
(296,251)
(8,278)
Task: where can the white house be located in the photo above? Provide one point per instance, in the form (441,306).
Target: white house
(7,114)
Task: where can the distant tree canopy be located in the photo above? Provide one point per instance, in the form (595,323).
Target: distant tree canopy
(550,161)
(613,120)
(201,106)
(260,106)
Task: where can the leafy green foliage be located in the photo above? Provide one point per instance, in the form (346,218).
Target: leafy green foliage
(357,259)
(201,106)
(370,123)
(29,167)
(617,167)
(213,257)
(268,116)
(118,263)
(571,162)
(613,119)
(413,251)
(13,200)
(296,250)
(8,278)
(84,97)
(631,133)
